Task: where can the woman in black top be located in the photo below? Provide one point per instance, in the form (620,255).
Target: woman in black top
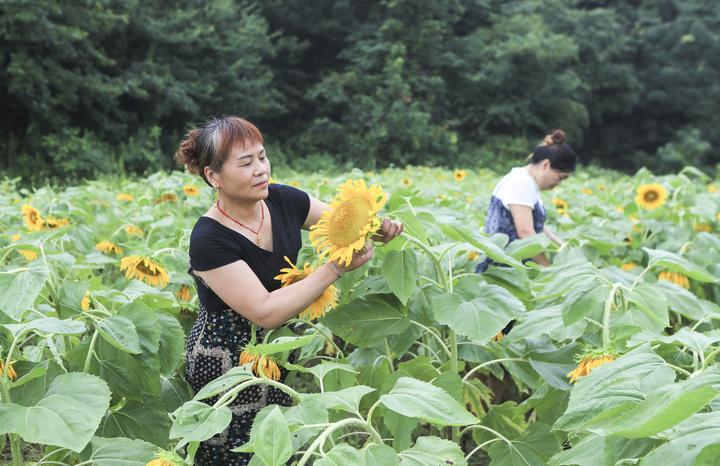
(236,250)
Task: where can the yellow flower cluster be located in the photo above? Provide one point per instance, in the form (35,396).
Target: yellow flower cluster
(587,364)
(677,278)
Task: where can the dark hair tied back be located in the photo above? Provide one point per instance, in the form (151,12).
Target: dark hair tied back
(554,148)
(187,154)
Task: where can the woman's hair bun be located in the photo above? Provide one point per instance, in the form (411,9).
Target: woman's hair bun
(556,137)
(187,153)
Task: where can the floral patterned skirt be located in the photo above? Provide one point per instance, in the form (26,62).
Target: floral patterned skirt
(213,348)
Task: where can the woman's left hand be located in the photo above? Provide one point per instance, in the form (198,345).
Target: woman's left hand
(388,231)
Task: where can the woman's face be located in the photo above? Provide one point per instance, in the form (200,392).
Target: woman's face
(245,174)
(550,177)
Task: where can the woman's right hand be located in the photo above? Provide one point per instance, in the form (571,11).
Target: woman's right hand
(359,258)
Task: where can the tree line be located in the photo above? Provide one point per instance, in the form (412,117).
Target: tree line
(110,86)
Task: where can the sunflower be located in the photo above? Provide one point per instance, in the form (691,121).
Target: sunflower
(702,227)
(159,462)
(28,254)
(560,204)
(33,220)
(12,375)
(587,191)
(326,301)
(132,230)
(459,175)
(125,197)
(345,226)
(407,182)
(108,247)
(712,188)
(472,255)
(260,365)
(627,266)
(166,197)
(145,269)
(677,278)
(165,458)
(651,196)
(587,364)
(184,293)
(191,190)
(55,222)
(85,302)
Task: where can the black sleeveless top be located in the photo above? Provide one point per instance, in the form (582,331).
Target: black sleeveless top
(214,245)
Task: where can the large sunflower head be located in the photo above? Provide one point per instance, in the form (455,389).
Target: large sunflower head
(33,219)
(145,269)
(651,196)
(344,228)
(326,301)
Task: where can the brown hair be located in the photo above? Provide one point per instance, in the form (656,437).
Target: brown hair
(553,148)
(210,144)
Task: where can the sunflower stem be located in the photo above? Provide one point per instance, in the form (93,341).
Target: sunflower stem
(15,440)
(91,351)
(609,303)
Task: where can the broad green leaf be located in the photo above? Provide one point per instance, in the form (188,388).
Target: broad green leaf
(546,321)
(323,369)
(364,322)
(172,343)
(345,400)
(526,248)
(401,427)
(587,300)
(273,445)
(676,263)
(342,455)
(145,420)
(535,446)
(67,415)
(615,387)
(411,224)
(695,341)
(175,391)
(663,407)
(283,344)
(229,379)
(508,419)
(47,326)
(120,332)
(598,450)
(433,451)
(196,421)
(19,288)
(483,317)
(140,293)
(422,400)
(652,303)
(380,455)
(400,270)
(686,441)
(121,452)
(484,244)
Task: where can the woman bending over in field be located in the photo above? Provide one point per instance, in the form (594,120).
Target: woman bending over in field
(516,207)
(236,249)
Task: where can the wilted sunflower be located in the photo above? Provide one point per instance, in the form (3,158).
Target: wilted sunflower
(651,196)
(184,293)
(260,365)
(33,219)
(28,254)
(459,175)
(108,247)
(125,197)
(55,222)
(85,302)
(587,364)
(702,227)
(12,375)
(344,228)
(191,190)
(326,301)
(677,278)
(145,269)
(132,230)
(167,197)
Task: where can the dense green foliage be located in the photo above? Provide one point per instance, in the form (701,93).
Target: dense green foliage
(103,86)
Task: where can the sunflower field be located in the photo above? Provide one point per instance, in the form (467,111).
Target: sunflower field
(612,359)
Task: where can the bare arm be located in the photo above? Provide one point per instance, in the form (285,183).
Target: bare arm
(553,237)
(316,209)
(523,220)
(238,286)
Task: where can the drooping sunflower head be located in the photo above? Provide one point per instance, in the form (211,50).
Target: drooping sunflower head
(459,175)
(318,308)
(55,222)
(133,230)
(588,363)
(259,364)
(33,219)
(352,217)
(183,293)
(108,247)
(145,269)
(651,196)
(167,197)
(676,278)
(191,190)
